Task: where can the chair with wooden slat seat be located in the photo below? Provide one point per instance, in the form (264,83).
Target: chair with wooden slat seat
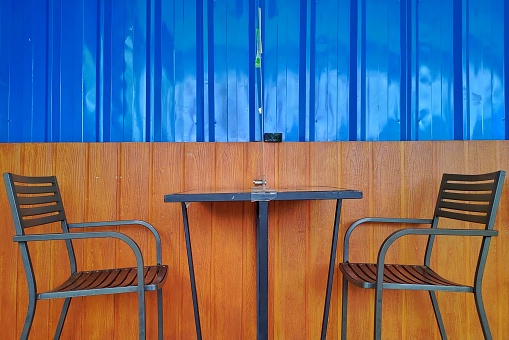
(467,198)
(36,201)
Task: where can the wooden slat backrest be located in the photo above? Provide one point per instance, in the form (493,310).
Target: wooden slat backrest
(35,200)
(470,198)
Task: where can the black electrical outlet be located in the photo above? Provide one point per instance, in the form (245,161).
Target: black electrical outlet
(273,137)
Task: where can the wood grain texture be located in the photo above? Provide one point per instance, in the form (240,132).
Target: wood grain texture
(71,171)
(104,181)
(387,190)
(324,170)
(39,159)
(167,175)
(476,151)
(12,278)
(226,284)
(134,200)
(451,252)
(356,172)
(498,313)
(419,198)
(291,249)
(251,157)
(199,163)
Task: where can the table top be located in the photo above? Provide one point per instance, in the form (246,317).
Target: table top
(269,194)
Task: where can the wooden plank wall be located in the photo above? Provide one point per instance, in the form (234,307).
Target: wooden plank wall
(103,181)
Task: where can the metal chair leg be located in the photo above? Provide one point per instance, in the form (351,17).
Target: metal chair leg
(438,315)
(32,303)
(482,314)
(160,314)
(378,314)
(63,315)
(142,320)
(344,308)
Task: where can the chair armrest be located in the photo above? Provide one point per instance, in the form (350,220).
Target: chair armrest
(147,225)
(415,231)
(433,231)
(87,235)
(354,225)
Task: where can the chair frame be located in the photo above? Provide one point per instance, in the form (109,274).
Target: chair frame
(382,282)
(55,213)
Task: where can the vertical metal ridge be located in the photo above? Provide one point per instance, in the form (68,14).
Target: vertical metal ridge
(124,112)
(406,64)
(88,70)
(131,69)
(415,122)
(465,27)
(457,33)
(200,69)
(159,133)
(99,81)
(352,95)
(5,65)
(211,84)
(35,25)
(47,91)
(166,61)
(56,75)
(302,69)
(149,64)
(252,10)
(362,113)
(312,71)
(506,68)
(107,95)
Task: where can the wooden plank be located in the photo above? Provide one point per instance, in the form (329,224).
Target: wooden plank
(199,173)
(270,153)
(227,280)
(134,201)
(418,195)
(102,180)
(37,160)
(387,189)
(450,252)
(480,159)
(290,302)
(356,173)
(12,280)
(167,174)
(324,170)
(71,171)
(251,162)
(499,318)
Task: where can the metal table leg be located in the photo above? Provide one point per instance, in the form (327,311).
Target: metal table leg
(332,262)
(191,271)
(262,287)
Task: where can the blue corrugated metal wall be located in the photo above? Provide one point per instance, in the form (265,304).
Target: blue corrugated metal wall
(183,70)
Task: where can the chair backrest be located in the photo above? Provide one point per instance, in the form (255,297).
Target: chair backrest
(468,198)
(36,201)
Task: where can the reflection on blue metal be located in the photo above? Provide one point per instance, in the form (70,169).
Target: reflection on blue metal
(183,70)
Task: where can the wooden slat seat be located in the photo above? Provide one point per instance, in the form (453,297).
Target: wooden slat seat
(396,275)
(118,279)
